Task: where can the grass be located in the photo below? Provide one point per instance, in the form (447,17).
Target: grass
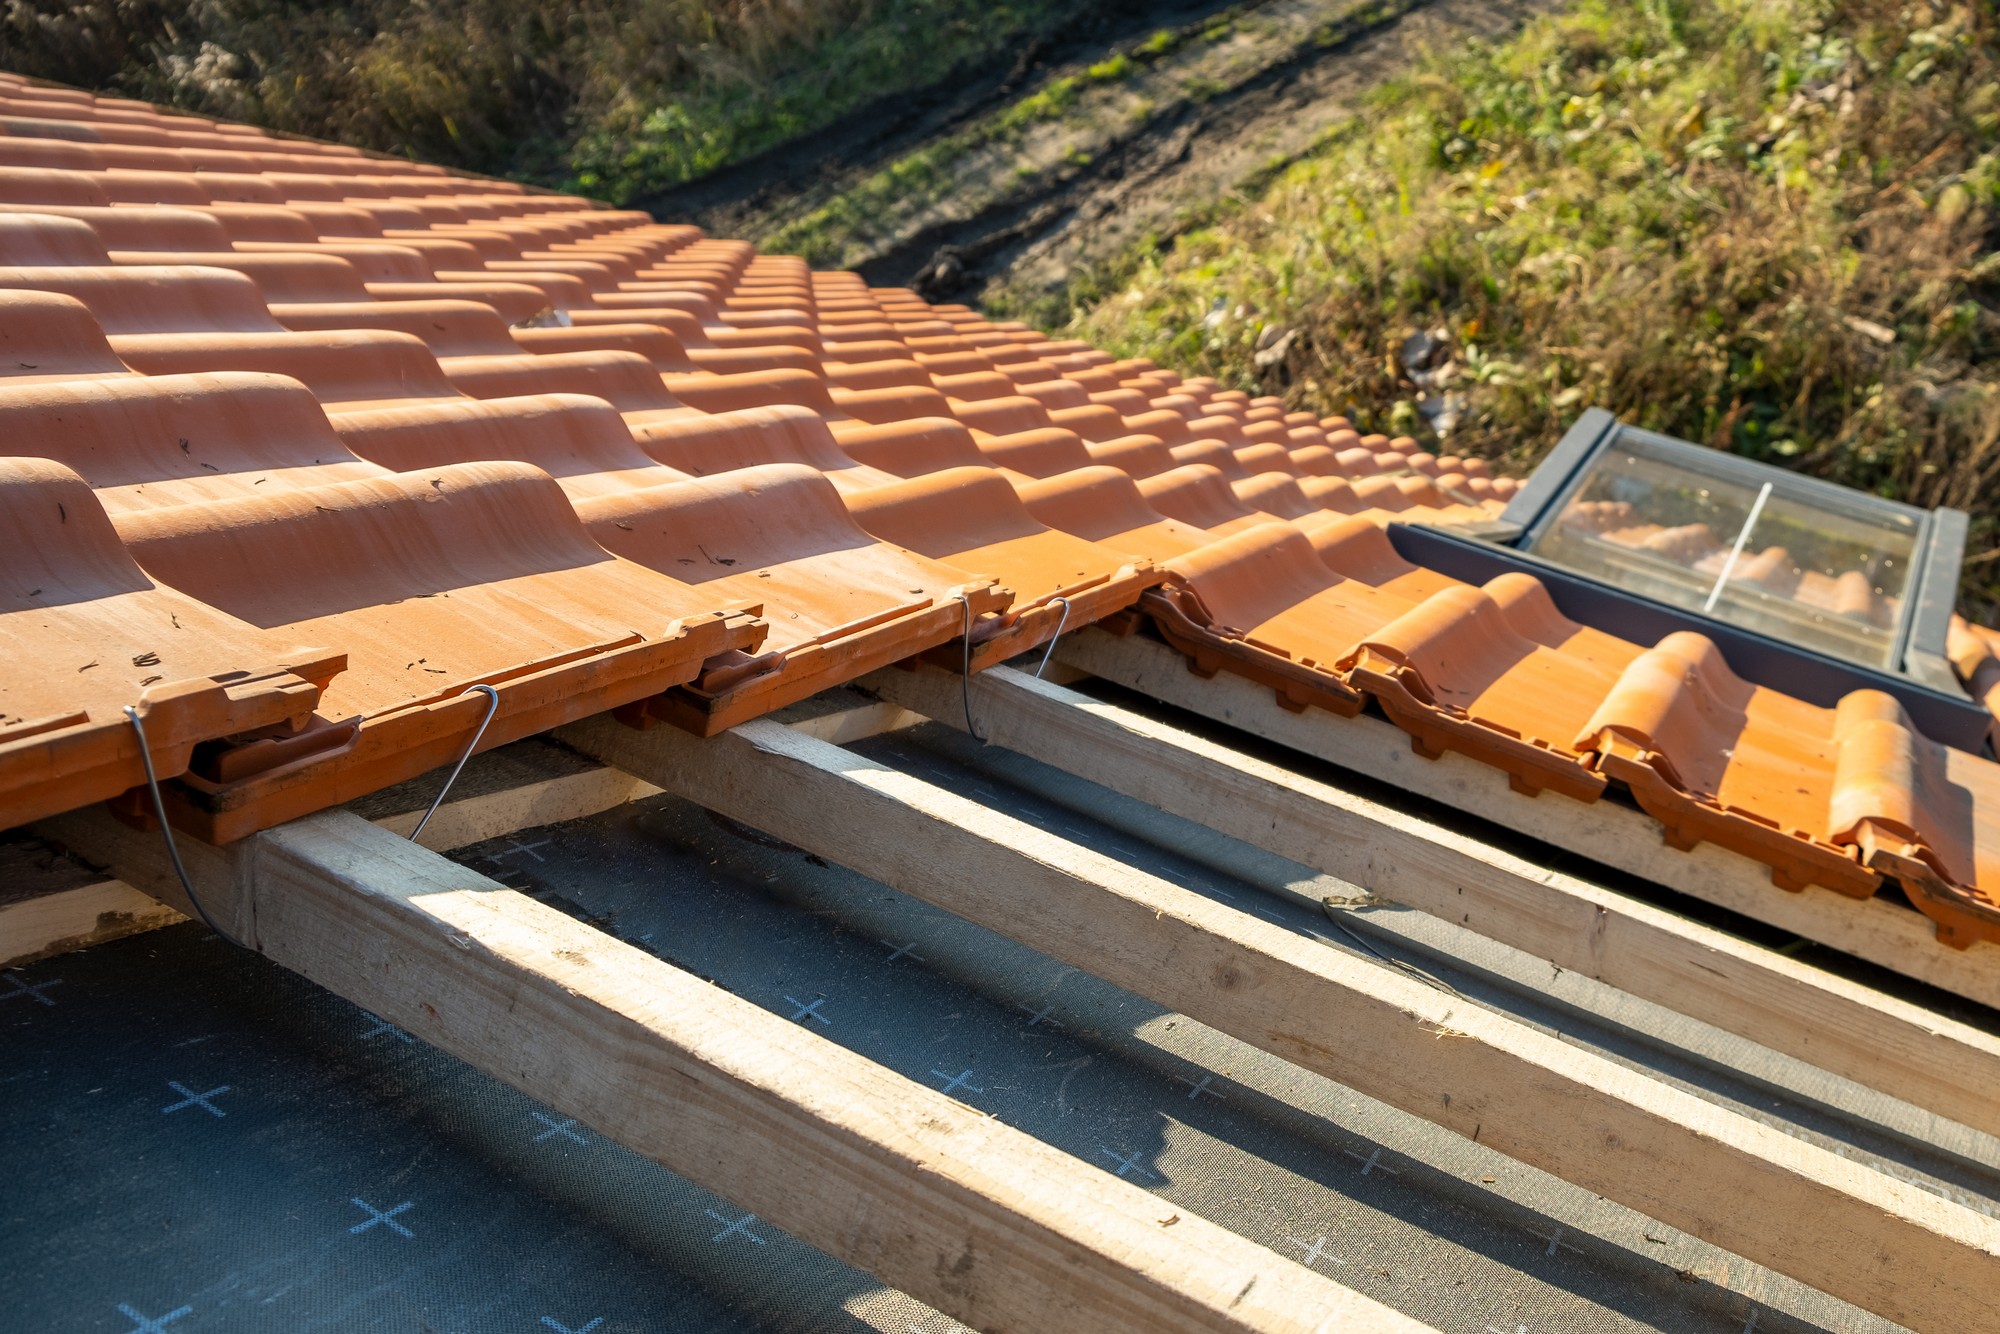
(849,227)
(620,98)
(636,149)
(834,232)
(1766,225)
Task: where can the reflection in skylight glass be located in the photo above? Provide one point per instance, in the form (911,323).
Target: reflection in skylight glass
(1758,547)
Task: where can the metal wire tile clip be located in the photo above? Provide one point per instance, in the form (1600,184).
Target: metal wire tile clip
(492,707)
(167,831)
(1050,651)
(965,673)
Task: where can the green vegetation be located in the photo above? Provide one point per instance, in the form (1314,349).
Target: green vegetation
(1768,225)
(620,98)
(826,235)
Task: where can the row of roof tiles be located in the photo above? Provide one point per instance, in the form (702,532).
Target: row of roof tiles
(306,443)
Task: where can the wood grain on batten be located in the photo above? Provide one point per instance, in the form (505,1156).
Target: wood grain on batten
(1890,1045)
(979,1220)
(75,919)
(1792,1206)
(1883,933)
(94,914)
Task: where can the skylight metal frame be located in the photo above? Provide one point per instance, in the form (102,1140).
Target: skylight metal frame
(1918,643)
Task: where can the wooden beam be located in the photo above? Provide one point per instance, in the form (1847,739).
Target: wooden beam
(1901,1049)
(1884,933)
(856,723)
(75,919)
(981,1221)
(1860,1235)
(509,810)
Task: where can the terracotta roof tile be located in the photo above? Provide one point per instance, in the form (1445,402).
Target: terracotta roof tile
(570,513)
(89,634)
(432,582)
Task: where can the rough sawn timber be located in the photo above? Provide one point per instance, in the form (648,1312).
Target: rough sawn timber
(1895,937)
(1879,1243)
(74,919)
(981,1221)
(1854,1031)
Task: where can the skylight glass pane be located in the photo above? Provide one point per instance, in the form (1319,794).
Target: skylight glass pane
(1752,545)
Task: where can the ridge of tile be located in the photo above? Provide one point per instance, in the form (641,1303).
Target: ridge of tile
(1922,813)
(972,519)
(432,581)
(1711,756)
(839,601)
(172,439)
(89,634)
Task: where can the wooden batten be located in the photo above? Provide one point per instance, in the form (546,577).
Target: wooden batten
(1888,1044)
(1884,933)
(981,1221)
(1792,1206)
(94,914)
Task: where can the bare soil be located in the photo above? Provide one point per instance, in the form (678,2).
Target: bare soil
(1019,216)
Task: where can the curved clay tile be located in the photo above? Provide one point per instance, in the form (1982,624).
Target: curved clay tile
(88,633)
(136,227)
(48,336)
(1275,493)
(705,445)
(1265,457)
(913,448)
(1714,757)
(396,289)
(1455,672)
(1044,452)
(42,238)
(971,518)
(582,442)
(432,581)
(839,601)
(1924,813)
(151,441)
(1103,504)
(1200,495)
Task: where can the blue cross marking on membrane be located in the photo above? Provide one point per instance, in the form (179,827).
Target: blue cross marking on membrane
(189,1098)
(565,1128)
(961,1080)
(1198,1087)
(516,845)
(1373,1161)
(384,1026)
(32,990)
(1127,1164)
(1315,1251)
(386,1217)
(739,1228)
(1042,1016)
(1555,1239)
(806,1011)
(151,1324)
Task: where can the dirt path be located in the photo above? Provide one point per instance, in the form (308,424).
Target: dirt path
(746,196)
(1008,182)
(1211,150)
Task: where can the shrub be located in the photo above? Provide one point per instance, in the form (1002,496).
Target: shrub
(1767,225)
